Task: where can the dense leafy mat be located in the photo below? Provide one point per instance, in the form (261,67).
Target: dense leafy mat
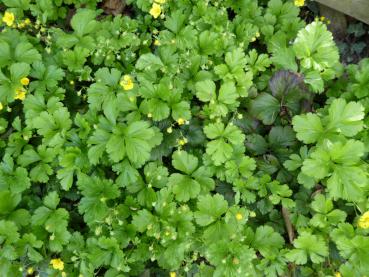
(206,138)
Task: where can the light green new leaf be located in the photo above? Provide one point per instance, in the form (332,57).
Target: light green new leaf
(83,22)
(228,94)
(308,245)
(184,162)
(345,118)
(210,208)
(205,90)
(184,187)
(219,150)
(267,241)
(308,127)
(315,47)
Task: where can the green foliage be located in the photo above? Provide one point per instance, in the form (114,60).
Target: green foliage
(191,144)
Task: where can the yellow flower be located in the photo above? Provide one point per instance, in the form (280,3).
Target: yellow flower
(57,264)
(20,94)
(127,82)
(337,274)
(30,271)
(155,10)
(24,81)
(253,39)
(156,42)
(172,274)
(322,18)
(182,141)
(239,216)
(1,106)
(27,21)
(8,18)
(364,221)
(299,3)
(160,1)
(180,121)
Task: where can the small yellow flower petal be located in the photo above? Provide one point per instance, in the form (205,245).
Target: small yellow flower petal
(57,264)
(127,82)
(8,18)
(172,274)
(337,274)
(253,39)
(364,221)
(299,3)
(155,10)
(20,94)
(239,216)
(24,81)
(1,106)
(182,141)
(180,121)
(27,21)
(156,42)
(322,18)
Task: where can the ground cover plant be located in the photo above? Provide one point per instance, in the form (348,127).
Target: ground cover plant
(179,138)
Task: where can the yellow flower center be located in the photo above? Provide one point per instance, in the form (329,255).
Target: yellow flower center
(30,270)
(239,216)
(57,264)
(180,121)
(155,10)
(8,18)
(126,82)
(24,81)
(182,141)
(364,221)
(299,3)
